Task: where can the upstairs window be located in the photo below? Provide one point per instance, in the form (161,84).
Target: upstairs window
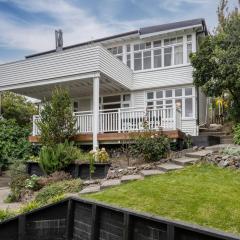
(138,61)
(189,47)
(117,51)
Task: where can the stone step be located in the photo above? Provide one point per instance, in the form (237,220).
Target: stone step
(128,178)
(226,141)
(110,183)
(198,154)
(183,161)
(91,189)
(169,167)
(150,172)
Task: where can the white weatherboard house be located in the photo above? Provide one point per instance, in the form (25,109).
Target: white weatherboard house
(119,81)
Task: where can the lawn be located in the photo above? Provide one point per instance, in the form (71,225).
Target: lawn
(200,194)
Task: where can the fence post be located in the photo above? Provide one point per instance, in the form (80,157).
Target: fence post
(94,224)
(170,232)
(70,220)
(21,227)
(126,227)
(119,120)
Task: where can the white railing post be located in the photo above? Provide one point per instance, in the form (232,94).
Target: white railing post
(95,111)
(119,120)
(174,117)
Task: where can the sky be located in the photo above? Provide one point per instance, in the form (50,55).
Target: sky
(27,26)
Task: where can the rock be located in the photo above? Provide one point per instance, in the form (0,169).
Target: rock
(90,189)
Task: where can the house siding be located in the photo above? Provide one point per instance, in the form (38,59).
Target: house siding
(162,78)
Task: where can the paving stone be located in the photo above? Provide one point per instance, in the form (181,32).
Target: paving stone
(128,178)
(110,183)
(90,189)
(169,167)
(184,161)
(146,173)
(198,154)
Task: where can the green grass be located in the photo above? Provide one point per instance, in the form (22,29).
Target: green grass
(200,194)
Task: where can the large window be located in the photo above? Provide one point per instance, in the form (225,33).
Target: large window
(182,98)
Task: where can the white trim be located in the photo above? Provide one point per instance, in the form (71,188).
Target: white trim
(95,111)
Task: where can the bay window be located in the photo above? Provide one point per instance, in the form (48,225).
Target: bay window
(117,51)
(182,98)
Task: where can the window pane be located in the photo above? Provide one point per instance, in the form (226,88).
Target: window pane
(189,38)
(147,60)
(166,42)
(136,47)
(150,95)
(168,103)
(157,43)
(178,92)
(189,50)
(138,61)
(150,103)
(126,97)
(120,49)
(110,99)
(188,107)
(142,46)
(159,94)
(157,58)
(128,48)
(167,57)
(114,50)
(129,60)
(173,40)
(159,104)
(188,91)
(168,93)
(126,105)
(178,55)
(148,45)
(179,39)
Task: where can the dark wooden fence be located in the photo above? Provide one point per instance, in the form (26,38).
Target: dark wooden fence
(79,219)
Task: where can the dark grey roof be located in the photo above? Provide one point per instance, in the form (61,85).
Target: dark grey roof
(169,26)
(142,31)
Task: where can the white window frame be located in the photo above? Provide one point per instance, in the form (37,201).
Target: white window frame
(174,98)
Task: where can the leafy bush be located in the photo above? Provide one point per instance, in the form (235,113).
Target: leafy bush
(233,151)
(15,106)
(57,120)
(150,145)
(236,134)
(58,188)
(18,178)
(5,214)
(100,155)
(55,158)
(54,177)
(13,142)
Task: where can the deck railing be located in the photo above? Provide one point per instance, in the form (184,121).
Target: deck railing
(125,120)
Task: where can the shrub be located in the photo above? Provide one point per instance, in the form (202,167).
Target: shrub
(150,145)
(55,158)
(13,142)
(236,134)
(18,178)
(54,177)
(32,183)
(5,214)
(17,107)
(57,120)
(58,188)
(100,155)
(233,151)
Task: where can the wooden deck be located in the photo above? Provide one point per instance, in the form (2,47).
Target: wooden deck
(113,137)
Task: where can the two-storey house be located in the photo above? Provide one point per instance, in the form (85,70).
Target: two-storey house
(118,82)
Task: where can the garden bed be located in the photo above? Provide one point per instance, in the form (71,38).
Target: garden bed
(76,170)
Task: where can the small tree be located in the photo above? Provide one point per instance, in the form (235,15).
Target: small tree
(15,106)
(57,120)
(216,63)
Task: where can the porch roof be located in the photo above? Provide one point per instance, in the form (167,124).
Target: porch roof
(36,77)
